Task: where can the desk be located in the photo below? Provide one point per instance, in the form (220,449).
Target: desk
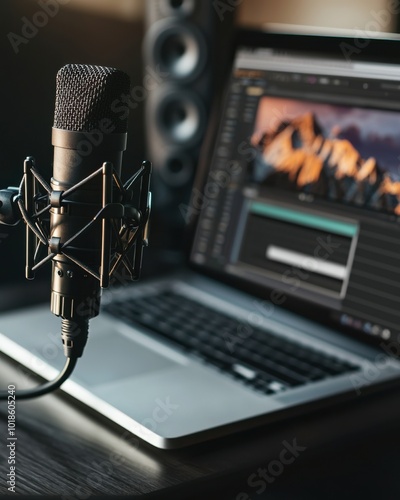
(351,451)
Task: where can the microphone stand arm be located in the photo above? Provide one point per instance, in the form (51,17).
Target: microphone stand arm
(9,212)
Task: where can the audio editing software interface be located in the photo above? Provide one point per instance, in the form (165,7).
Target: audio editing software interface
(303,191)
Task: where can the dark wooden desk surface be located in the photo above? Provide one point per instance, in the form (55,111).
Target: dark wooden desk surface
(351,451)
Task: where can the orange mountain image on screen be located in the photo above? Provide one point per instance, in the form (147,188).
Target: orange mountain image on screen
(297,152)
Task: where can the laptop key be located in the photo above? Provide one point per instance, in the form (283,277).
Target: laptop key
(244,371)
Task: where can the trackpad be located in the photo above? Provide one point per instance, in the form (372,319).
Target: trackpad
(113,357)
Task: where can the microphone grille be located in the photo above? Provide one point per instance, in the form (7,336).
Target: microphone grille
(87,94)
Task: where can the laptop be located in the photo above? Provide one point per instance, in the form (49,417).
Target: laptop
(290,300)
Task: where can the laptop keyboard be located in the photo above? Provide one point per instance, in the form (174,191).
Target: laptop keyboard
(261,359)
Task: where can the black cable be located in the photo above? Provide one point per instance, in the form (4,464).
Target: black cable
(46,387)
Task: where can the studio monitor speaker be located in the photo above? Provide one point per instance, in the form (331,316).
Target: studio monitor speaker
(185,47)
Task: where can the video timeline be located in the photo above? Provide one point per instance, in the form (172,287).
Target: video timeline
(301,249)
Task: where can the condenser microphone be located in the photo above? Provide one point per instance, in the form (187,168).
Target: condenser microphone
(90,222)
(86,134)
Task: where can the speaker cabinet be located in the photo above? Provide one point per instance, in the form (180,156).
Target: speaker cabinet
(185,46)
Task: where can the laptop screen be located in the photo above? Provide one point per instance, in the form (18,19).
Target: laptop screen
(302,195)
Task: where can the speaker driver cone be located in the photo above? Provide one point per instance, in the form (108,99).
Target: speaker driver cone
(177,169)
(178,49)
(181,117)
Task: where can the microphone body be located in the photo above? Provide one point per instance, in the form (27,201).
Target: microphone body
(75,293)
(80,149)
